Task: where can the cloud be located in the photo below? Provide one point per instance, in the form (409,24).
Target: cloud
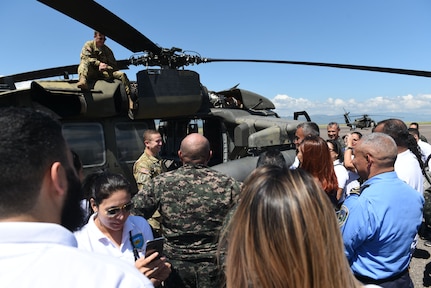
(419,104)
(286,103)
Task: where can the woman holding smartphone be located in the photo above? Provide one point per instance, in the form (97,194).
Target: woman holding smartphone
(112,230)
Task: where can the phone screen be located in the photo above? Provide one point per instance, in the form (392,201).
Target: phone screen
(155,245)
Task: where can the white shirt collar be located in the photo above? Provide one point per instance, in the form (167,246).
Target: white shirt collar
(36,232)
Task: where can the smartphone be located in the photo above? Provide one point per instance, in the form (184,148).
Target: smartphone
(155,245)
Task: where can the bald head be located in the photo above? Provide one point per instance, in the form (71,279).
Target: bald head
(195,149)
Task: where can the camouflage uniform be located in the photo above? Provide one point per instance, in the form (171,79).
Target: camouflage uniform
(92,56)
(193,201)
(144,169)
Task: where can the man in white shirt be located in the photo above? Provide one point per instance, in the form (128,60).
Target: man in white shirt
(40,206)
(407,165)
(425,147)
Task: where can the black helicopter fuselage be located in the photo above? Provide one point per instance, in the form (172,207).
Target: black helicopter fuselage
(237,122)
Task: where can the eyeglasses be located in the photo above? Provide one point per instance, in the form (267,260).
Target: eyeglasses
(114,211)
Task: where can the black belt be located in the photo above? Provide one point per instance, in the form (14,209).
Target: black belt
(368,280)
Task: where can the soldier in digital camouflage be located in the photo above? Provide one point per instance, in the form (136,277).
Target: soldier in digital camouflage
(193,202)
(148,166)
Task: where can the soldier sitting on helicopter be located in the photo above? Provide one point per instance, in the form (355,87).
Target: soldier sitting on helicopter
(98,62)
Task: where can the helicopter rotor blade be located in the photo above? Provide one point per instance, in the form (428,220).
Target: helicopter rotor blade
(124,34)
(344,66)
(100,19)
(43,73)
(52,72)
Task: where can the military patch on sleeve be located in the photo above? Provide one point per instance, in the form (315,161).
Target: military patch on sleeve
(342,215)
(356,190)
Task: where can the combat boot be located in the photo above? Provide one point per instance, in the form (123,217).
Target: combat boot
(133,101)
(82,83)
(133,109)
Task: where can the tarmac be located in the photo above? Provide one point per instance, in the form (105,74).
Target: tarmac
(420,266)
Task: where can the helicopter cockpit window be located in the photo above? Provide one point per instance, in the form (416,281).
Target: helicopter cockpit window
(87,140)
(129,140)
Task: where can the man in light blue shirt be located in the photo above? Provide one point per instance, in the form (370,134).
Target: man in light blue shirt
(380,225)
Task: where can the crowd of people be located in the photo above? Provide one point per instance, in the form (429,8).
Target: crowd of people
(329,219)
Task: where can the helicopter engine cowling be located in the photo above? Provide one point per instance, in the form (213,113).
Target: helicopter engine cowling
(255,131)
(105,99)
(165,93)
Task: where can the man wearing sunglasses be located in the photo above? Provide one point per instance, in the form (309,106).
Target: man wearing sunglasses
(40,207)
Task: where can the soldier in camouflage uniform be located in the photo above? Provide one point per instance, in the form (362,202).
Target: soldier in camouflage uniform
(193,201)
(98,62)
(148,166)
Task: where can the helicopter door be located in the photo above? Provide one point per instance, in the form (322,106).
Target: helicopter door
(87,140)
(215,133)
(173,132)
(129,139)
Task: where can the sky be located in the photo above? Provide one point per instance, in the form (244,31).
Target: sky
(393,34)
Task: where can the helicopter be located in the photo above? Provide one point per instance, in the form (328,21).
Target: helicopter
(362,122)
(238,123)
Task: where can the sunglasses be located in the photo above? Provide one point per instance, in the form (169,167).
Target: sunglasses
(114,211)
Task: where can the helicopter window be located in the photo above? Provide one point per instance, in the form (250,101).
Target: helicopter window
(129,140)
(87,140)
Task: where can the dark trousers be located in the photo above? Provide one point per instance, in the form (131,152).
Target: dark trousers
(401,280)
(196,274)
